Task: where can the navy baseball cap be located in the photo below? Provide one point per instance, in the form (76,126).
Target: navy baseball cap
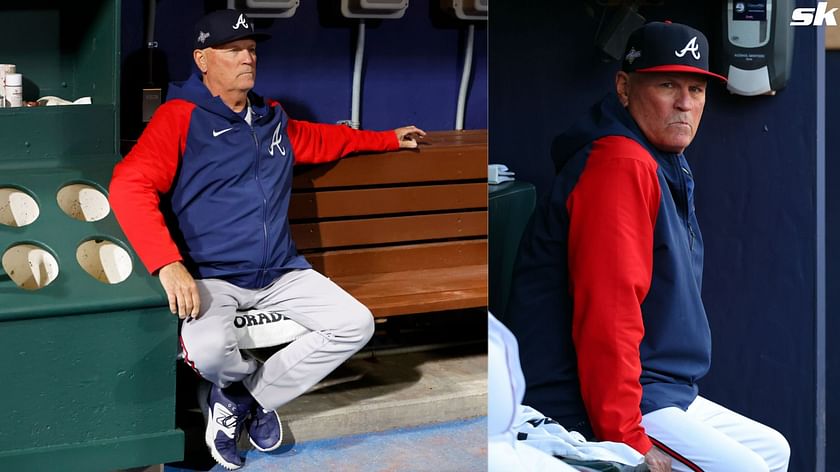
(222,26)
(668,47)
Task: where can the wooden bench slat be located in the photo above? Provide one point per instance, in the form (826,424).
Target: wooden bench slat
(357,202)
(457,138)
(426,303)
(399,258)
(389,230)
(397,284)
(445,158)
(421,290)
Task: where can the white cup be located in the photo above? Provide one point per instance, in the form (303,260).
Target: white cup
(4,69)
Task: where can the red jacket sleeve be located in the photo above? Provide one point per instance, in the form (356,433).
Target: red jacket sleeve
(612,213)
(316,143)
(147,172)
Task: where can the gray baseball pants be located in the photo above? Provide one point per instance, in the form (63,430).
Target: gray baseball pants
(340,327)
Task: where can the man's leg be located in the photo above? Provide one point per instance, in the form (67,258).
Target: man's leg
(711,438)
(340,327)
(768,443)
(209,342)
(210,347)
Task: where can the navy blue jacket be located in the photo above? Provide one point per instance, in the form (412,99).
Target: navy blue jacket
(205,187)
(605,299)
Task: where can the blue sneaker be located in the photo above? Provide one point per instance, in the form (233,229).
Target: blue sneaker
(227,415)
(264,429)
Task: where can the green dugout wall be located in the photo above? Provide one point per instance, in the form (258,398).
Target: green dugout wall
(87,346)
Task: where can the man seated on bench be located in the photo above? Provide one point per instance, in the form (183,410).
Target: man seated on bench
(605,298)
(203,199)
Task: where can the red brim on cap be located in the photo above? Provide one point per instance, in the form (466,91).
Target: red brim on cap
(680,68)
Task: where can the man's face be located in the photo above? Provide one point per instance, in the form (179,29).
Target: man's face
(666,106)
(230,66)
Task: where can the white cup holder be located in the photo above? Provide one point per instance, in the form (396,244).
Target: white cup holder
(104,260)
(83,202)
(30,266)
(17,208)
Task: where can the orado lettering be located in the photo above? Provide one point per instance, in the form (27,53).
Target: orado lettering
(248,319)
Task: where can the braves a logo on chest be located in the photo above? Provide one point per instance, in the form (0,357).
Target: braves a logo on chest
(276,141)
(692,47)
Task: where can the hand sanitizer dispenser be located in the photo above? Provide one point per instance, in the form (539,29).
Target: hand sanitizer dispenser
(757,46)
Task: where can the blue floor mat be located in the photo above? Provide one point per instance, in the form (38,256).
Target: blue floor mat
(459,446)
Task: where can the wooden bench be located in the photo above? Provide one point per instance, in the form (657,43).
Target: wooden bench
(404,232)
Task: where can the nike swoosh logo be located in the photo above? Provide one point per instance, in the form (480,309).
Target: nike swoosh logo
(218,133)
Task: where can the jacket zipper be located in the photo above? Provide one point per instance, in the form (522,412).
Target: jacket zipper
(264,209)
(684,185)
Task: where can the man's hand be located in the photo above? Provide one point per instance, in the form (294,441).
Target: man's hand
(180,290)
(408,136)
(658,461)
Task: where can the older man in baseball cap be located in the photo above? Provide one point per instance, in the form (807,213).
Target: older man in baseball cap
(203,198)
(606,294)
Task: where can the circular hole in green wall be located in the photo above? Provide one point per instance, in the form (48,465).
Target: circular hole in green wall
(30,265)
(83,202)
(105,260)
(17,207)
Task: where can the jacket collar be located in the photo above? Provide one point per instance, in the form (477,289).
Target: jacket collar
(193,90)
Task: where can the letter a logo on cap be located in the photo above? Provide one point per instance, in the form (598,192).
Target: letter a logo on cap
(241,22)
(691,46)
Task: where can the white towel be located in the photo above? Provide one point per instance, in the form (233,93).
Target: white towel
(547,435)
(505,388)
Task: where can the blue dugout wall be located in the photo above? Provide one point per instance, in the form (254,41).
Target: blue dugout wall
(412,68)
(832,166)
(758,164)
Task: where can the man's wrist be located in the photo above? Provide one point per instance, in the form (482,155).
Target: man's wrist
(164,266)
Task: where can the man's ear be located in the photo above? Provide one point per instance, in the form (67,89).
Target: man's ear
(622,87)
(200,59)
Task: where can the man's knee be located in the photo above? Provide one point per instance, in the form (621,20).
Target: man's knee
(208,352)
(359,326)
(769,454)
(777,456)
(742,459)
